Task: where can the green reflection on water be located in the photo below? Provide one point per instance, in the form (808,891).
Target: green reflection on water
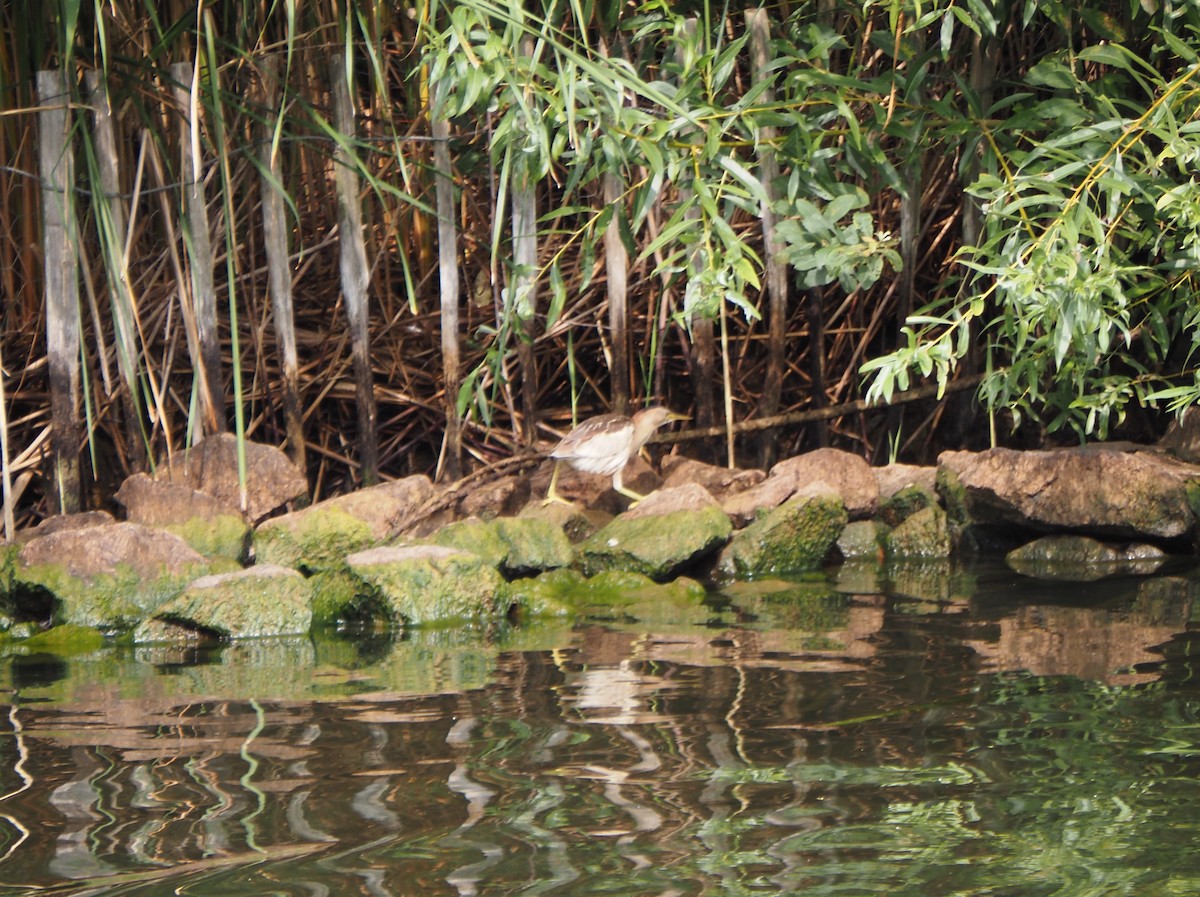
(803,739)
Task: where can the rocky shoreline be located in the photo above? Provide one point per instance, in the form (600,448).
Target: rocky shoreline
(188,565)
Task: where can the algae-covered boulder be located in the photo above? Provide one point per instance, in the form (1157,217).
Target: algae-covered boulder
(922,535)
(862,540)
(794,537)
(65,640)
(664,534)
(320,537)
(517,546)
(259,601)
(211,526)
(906,501)
(109,576)
(1082,559)
(418,584)
(617,595)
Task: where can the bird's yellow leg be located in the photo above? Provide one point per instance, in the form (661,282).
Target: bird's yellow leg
(625,490)
(552,496)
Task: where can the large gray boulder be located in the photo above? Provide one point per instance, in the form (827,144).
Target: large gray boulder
(1095,490)
(845,474)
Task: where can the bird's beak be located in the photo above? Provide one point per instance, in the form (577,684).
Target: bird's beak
(674,415)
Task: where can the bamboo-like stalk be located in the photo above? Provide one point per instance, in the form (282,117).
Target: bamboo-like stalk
(6,480)
(355,275)
(57,171)
(758,27)
(198,239)
(448,278)
(616,264)
(524,282)
(110,213)
(275,244)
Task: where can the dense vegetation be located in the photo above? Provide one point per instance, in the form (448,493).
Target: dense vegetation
(973,192)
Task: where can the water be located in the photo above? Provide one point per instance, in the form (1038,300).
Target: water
(966,734)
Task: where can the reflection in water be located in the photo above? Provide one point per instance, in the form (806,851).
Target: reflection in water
(963,736)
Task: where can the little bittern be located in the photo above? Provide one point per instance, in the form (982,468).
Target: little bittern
(605,444)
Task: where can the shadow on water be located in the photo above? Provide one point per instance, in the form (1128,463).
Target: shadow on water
(930,732)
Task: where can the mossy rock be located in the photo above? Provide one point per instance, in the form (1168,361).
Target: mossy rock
(225,536)
(905,503)
(428,584)
(862,540)
(515,545)
(794,537)
(112,602)
(315,539)
(339,597)
(549,595)
(260,601)
(68,639)
(658,546)
(925,535)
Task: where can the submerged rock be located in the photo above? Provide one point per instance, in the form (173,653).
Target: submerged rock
(664,534)
(1082,559)
(417,584)
(794,537)
(320,537)
(258,601)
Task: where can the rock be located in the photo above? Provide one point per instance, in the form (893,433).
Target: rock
(518,546)
(905,502)
(720,482)
(252,603)
(1082,559)
(663,535)
(846,474)
(924,535)
(1094,491)
(213,527)
(502,497)
(211,467)
(576,523)
(893,478)
(417,584)
(1182,438)
(105,576)
(747,506)
(60,522)
(319,537)
(862,540)
(65,640)
(794,537)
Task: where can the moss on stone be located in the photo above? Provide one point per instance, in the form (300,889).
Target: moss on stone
(66,640)
(924,535)
(313,540)
(224,536)
(656,546)
(428,584)
(794,537)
